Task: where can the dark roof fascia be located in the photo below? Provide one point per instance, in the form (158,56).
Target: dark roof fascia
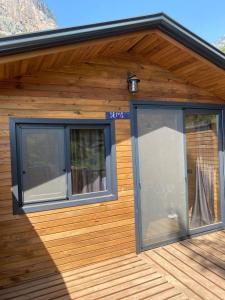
(65,36)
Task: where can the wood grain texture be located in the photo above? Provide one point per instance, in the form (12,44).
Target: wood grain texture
(153,46)
(195,267)
(191,269)
(126,277)
(51,242)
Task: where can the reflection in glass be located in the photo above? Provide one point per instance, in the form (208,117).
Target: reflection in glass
(203,168)
(88,166)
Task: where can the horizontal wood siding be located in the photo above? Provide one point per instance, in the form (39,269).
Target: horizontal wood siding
(42,243)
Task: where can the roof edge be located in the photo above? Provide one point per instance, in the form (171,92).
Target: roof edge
(23,43)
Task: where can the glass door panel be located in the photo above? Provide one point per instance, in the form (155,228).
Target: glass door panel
(162,175)
(202,147)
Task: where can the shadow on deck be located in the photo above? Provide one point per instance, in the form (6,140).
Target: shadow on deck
(191,269)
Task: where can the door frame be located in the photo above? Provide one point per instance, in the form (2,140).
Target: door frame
(134,105)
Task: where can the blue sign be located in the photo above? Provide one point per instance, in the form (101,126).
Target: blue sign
(112,115)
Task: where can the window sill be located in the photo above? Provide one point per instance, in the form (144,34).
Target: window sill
(36,207)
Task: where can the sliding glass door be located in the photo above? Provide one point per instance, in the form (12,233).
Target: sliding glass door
(203,147)
(180,169)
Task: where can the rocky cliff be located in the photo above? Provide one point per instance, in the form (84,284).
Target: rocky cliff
(20,16)
(221,44)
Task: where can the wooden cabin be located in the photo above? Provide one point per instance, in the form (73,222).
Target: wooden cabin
(111,143)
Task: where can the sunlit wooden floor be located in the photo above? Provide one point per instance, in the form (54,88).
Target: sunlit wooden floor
(195,267)
(191,269)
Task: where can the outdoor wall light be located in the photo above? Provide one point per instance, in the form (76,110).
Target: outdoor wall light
(133,81)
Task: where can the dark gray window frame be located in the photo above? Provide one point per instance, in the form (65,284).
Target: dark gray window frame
(71,200)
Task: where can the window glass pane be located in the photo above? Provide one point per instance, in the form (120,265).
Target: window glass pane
(162,173)
(88,165)
(203,168)
(43,164)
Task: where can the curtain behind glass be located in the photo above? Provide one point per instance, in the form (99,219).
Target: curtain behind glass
(88,167)
(203,206)
(203,168)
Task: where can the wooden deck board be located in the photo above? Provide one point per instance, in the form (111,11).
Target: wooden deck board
(196,266)
(189,269)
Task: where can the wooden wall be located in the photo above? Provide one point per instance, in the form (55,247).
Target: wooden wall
(41,243)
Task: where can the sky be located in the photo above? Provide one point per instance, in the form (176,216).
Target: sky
(205,18)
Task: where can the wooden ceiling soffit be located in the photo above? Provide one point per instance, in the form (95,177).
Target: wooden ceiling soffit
(154,46)
(28,63)
(164,51)
(96,43)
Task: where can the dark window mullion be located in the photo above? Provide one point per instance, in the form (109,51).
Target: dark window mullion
(19,162)
(107,143)
(68,161)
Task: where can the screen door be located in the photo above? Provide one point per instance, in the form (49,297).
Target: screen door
(162,175)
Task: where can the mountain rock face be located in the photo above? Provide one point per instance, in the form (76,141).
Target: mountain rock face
(221,44)
(21,16)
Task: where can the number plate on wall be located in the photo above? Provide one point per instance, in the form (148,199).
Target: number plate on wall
(112,115)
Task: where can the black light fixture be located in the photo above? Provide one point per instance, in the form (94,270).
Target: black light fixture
(133,81)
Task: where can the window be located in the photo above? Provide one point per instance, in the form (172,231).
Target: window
(42,160)
(59,163)
(88,167)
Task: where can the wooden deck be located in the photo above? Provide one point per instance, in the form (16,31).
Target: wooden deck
(191,269)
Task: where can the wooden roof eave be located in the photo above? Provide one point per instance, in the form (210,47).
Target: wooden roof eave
(200,63)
